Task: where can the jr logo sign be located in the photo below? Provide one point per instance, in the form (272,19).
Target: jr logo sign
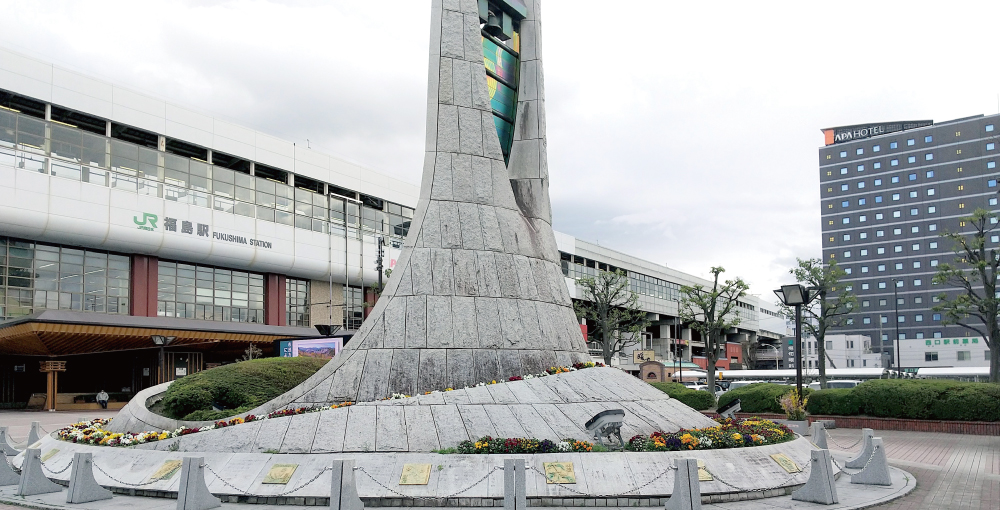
(148,221)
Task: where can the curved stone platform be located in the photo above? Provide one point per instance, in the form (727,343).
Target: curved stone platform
(598,475)
(553,407)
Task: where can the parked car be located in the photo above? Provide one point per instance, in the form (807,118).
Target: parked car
(704,387)
(836,384)
(739,384)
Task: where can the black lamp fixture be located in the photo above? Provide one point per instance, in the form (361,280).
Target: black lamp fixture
(797,295)
(161,342)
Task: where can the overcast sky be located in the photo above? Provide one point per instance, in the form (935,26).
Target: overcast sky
(685,133)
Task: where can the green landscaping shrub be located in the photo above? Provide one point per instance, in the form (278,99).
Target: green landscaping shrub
(841,402)
(235,388)
(698,400)
(933,399)
(759,397)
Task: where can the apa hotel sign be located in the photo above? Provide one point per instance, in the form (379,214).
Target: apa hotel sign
(860,131)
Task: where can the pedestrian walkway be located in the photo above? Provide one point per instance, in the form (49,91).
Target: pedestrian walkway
(18,423)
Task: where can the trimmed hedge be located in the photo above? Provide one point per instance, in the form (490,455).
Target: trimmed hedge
(698,400)
(933,399)
(235,388)
(759,397)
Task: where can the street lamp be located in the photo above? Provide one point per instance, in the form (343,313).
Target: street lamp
(162,341)
(797,295)
(777,355)
(895,304)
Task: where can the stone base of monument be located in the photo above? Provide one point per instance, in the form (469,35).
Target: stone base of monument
(430,479)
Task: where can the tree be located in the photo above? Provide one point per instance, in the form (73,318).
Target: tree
(825,312)
(252,352)
(974,274)
(711,313)
(612,306)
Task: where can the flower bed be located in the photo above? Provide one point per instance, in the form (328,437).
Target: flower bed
(91,432)
(729,433)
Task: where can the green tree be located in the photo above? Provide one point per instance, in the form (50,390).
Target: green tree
(825,312)
(608,302)
(974,274)
(711,312)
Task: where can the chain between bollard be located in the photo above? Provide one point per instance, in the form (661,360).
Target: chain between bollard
(625,493)
(386,487)
(867,462)
(828,436)
(759,489)
(143,484)
(247,493)
(50,470)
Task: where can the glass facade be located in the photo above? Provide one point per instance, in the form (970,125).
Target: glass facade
(35,277)
(502,69)
(578,267)
(201,292)
(353,307)
(297,302)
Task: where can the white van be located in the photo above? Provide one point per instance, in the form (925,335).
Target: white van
(739,384)
(835,384)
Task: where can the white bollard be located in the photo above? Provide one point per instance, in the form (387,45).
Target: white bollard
(33,480)
(5,447)
(687,488)
(818,432)
(35,434)
(821,486)
(866,450)
(193,493)
(877,471)
(515,496)
(343,489)
(83,488)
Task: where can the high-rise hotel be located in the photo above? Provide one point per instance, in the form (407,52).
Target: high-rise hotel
(888,192)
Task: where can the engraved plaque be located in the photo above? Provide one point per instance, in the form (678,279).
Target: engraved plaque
(415,474)
(559,472)
(280,473)
(166,470)
(703,474)
(49,454)
(786,463)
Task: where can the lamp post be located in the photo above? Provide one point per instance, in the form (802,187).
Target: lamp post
(895,304)
(162,341)
(777,355)
(797,295)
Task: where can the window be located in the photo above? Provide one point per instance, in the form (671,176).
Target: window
(297,302)
(992,183)
(918,300)
(894,179)
(928,139)
(861,168)
(930,356)
(930,192)
(845,220)
(897,231)
(864,252)
(896,214)
(893,145)
(883,319)
(878,182)
(880,267)
(932,209)
(915,247)
(860,151)
(914,229)
(863,235)
(991,164)
(899,266)
(861,184)
(995,239)
(847,254)
(893,162)
(990,146)
(864,286)
(993,201)
(913,194)
(880,233)
(866,320)
(911,141)
(843,171)
(930,173)
(882,302)
(929,156)
(879,216)
(847,237)
(865,303)
(916,264)
(897,249)
(934,262)
(848,270)
(876,165)
(914,211)
(845,203)
(964,355)
(989,127)
(937,334)
(936,317)
(911,159)
(900,318)
(895,196)
(987,355)
(878,199)
(880,251)
(917,282)
(881,285)
(862,218)
(933,246)
(843,154)
(911,177)
(864,269)
(844,187)
(862,201)
(207,293)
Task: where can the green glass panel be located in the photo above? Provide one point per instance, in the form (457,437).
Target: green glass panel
(499,61)
(502,98)
(505,131)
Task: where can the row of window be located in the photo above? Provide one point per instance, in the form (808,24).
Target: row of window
(880,250)
(959,356)
(895,161)
(576,267)
(919,317)
(992,183)
(916,264)
(917,282)
(895,144)
(896,231)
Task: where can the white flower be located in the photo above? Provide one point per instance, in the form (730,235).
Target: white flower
(564,446)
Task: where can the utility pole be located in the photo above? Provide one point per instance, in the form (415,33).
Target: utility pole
(895,304)
(378,261)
